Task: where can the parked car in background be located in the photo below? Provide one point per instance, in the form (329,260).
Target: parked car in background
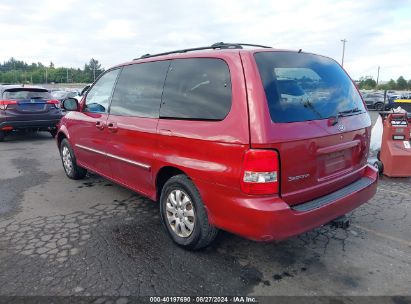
(406,96)
(61,95)
(263,143)
(27,108)
(393,95)
(403,101)
(374,101)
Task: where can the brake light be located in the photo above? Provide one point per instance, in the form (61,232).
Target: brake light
(260,172)
(55,102)
(5,103)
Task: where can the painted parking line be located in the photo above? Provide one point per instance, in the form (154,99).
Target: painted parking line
(383,235)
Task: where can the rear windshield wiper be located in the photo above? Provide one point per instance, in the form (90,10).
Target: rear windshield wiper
(350,112)
(308,104)
(37,97)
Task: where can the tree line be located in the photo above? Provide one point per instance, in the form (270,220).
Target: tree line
(368,83)
(16,71)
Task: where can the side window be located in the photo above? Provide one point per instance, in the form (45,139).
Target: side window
(98,98)
(138,90)
(198,89)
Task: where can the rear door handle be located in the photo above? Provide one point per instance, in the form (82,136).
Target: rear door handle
(166,132)
(100,125)
(112,127)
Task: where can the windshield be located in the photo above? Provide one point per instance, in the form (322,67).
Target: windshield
(26,94)
(301,87)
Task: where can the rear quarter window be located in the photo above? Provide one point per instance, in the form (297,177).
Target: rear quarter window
(197,89)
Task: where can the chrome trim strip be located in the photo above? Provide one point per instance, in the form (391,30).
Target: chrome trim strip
(129,161)
(126,160)
(90,149)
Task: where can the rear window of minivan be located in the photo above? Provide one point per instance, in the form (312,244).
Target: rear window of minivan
(302,87)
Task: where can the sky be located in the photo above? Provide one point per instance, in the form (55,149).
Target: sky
(71,32)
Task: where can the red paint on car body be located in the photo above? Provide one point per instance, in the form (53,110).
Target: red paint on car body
(314,158)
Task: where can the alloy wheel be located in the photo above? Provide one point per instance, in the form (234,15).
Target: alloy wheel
(67,160)
(180,213)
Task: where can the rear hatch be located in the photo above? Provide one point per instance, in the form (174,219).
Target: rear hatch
(28,101)
(318,123)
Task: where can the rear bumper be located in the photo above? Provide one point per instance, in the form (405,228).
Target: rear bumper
(26,124)
(268,218)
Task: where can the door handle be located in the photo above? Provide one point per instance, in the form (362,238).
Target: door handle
(166,132)
(100,125)
(112,127)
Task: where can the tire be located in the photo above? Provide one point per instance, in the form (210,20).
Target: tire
(379,166)
(379,106)
(2,135)
(53,133)
(191,229)
(68,160)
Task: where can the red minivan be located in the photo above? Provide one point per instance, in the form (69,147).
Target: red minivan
(264,143)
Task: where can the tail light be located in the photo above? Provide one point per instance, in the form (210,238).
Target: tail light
(5,103)
(56,103)
(260,172)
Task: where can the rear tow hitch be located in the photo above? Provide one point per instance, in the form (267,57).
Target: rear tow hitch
(341,222)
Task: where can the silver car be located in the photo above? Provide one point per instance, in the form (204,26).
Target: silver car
(374,101)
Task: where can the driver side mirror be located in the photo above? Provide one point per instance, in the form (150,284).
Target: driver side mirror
(70,104)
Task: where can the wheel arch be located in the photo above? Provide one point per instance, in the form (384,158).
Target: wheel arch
(60,137)
(163,175)
(62,133)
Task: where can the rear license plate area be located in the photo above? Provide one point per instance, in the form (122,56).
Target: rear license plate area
(31,107)
(334,162)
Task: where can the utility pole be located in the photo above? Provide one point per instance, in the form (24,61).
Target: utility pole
(67,77)
(14,72)
(343,52)
(378,75)
(94,70)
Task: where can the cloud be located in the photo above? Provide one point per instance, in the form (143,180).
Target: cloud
(117,29)
(69,33)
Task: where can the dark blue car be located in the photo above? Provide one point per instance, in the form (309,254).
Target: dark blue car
(27,108)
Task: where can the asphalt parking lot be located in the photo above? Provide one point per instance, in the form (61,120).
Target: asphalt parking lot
(92,237)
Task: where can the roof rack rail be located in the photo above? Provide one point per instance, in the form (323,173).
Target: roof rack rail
(218,45)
